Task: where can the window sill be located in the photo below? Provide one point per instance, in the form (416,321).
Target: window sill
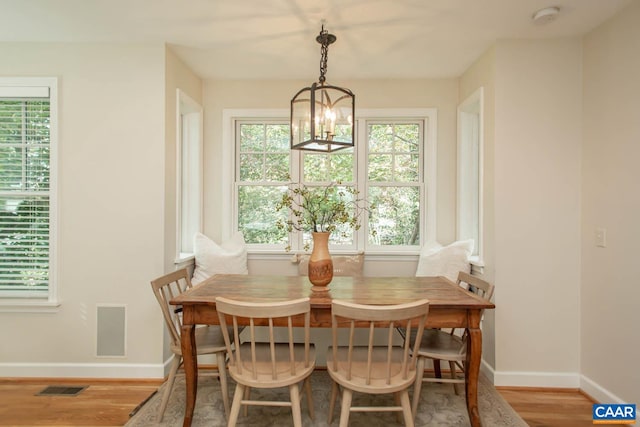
(28,306)
(369,256)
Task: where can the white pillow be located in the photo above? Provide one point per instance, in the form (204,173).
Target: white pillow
(447,261)
(230,257)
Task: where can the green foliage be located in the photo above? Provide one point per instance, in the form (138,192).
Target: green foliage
(24,200)
(330,208)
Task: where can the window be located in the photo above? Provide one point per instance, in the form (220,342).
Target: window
(189,174)
(470,172)
(394,175)
(392,166)
(27,189)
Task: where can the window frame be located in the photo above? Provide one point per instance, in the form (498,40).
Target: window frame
(25,301)
(189,141)
(428,192)
(473,102)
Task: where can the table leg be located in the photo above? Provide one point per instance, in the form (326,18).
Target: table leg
(471,373)
(190,360)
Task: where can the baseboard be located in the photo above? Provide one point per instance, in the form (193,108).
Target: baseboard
(537,379)
(82,370)
(597,392)
(488,371)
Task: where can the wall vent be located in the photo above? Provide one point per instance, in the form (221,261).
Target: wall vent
(111,334)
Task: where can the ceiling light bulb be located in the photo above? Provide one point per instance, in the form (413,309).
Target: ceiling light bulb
(546,15)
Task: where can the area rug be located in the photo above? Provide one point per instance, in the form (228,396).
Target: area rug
(439,406)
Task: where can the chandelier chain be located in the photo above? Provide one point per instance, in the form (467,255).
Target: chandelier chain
(325,39)
(324,53)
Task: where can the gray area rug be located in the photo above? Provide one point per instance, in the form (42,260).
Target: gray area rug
(439,406)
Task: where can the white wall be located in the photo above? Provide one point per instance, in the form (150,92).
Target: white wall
(111,193)
(610,341)
(538,102)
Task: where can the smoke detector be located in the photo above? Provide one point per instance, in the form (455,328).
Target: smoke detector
(546,15)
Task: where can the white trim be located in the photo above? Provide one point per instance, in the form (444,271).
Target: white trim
(229,116)
(476,97)
(537,379)
(30,304)
(27,305)
(598,392)
(430,164)
(488,371)
(82,370)
(187,106)
(428,115)
(275,255)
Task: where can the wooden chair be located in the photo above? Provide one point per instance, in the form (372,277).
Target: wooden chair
(268,364)
(209,339)
(375,369)
(450,346)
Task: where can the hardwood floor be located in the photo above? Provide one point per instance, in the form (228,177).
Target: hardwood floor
(109,403)
(546,407)
(103,403)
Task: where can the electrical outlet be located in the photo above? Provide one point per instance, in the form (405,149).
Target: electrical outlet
(601,237)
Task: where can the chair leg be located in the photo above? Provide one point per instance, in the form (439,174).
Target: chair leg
(406,408)
(452,367)
(347,395)
(418,387)
(247,395)
(396,398)
(294,393)
(222,374)
(332,402)
(307,386)
(175,364)
(235,406)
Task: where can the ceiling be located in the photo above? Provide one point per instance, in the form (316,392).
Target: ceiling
(274,39)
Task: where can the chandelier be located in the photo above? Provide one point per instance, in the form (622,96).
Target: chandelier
(322,115)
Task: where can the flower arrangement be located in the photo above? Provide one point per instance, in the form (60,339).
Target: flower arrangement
(321,209)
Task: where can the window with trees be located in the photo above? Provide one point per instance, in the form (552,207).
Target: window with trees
(392,167)
(27,153)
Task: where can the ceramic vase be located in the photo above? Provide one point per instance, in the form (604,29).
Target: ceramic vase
(320,263)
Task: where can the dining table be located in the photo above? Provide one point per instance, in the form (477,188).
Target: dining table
(450,306)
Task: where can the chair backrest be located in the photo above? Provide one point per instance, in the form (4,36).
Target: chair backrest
(343,265)
(476,285)
(408,316)
(165,288)
(270,314)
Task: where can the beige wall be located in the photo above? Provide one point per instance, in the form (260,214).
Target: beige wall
(538,103)
(111,192)
(177,76)
(481,75)
(610,289)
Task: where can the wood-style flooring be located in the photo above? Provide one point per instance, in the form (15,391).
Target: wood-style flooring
(550,407)
(109,403)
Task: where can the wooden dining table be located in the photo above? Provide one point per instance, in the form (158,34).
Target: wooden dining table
(450,306)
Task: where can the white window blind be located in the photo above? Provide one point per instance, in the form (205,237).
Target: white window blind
(25,190)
